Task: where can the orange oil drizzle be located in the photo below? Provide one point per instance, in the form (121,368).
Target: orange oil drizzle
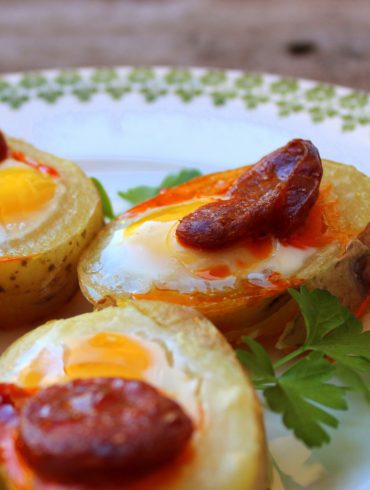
(41,167)
(213,273)
(260,248)
(323,224)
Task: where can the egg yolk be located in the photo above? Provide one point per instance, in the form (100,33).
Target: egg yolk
(107,354)
(23,191)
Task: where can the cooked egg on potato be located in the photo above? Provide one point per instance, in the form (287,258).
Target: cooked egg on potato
(174,351)
(240,287)
(49,211)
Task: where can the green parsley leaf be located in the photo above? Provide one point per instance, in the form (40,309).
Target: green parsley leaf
(107,205)
(310,373)
(181,177)
(322,312)
(349,345)
(298,394)
(353,380)
(332,329)
(307,391)
(257,361)
(136,195)
(304,418)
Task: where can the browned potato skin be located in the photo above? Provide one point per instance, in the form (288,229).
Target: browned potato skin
(348,276)
(33,285)
(241,315)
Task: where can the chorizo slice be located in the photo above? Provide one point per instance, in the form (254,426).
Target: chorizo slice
(101,429)
(273,196)
(3,147)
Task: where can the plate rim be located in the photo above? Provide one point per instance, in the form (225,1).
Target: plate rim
(307,84)
(289,96)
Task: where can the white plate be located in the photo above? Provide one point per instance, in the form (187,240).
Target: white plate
(131,126)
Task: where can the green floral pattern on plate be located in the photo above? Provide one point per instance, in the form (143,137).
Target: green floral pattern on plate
(318,101)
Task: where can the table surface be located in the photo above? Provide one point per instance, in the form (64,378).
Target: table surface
(327,40)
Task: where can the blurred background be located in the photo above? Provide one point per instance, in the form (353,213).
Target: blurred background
(327,40)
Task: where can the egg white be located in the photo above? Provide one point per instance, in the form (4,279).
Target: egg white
(142,254)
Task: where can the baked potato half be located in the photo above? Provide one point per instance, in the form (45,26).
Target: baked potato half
(49,212)
(178,352)
(242,287)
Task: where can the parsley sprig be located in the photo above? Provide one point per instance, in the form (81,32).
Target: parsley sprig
(136,195)
(304,386)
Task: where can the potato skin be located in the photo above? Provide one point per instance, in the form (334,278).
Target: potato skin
(239,313)
(34,282)
(232,451)
(348,276)
(33,287)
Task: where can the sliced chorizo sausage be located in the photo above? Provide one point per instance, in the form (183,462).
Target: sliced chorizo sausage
(273,196)
(101,428)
